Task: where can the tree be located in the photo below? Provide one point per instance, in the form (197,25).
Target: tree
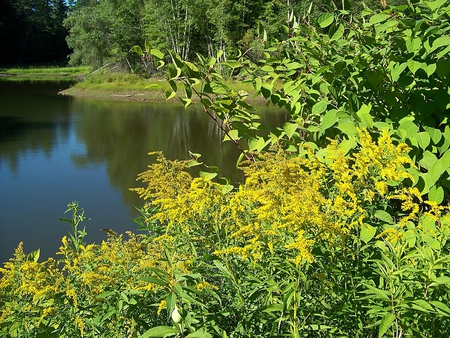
(102,32)
(32,31)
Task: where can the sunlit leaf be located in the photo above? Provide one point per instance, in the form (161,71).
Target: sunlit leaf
(325,19)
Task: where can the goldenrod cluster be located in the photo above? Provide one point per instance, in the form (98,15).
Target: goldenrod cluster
(288,203)
(40,293)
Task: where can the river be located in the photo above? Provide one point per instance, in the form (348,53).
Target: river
(56,149)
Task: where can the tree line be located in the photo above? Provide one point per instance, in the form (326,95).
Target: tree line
(99,32)
(32,31)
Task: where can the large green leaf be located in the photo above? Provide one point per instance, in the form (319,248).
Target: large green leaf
(397,70)
(329,119)
(428,160)
(290,128)
(443,41)
(436,171)
(325,19)
(364,115)
(436,194)
(384,216)
(160,331)
(423,139)
(407,129)
(319,107)
(385,324)
(367,232)
(377,18)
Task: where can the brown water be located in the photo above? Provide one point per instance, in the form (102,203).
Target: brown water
(57,149)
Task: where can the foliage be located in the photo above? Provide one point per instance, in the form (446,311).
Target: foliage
(31,31)
(100,32)
(307,245)
(92,290)
(389,71)
(339,230)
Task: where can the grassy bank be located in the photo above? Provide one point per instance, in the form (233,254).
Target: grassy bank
(109,86)
(131,87)
(43,73)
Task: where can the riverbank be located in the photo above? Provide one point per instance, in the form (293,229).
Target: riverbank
(107,86)
(44,73)
(129,87)
(123,94)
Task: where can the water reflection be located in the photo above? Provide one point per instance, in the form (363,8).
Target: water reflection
(56,149)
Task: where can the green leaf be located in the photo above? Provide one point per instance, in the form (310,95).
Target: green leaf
(377,18)
(435,134)
(160,331)
(414,65)
(34,255)
(436,171)
(398,70)
(186,102)
(413,44)
(428,160)
(137,49)
(232,135)
(430,69)
(407,129)
(207,175)
(290,129)
(257,143)
(329,119)
(384,216)
(367,232)
(423,139)
(348,128)
(441,307)
(436,194)
(170,95)
(422,305)
(388,25)
(154,280)
(156,53)
(293,65)
(227,188)
(325,19)
(319,107)
(443,280)
(347,145)
(385,324)
(443,41)
(380,294)
(199,334)
(364,115)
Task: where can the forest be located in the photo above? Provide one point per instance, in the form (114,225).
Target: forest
(99,32)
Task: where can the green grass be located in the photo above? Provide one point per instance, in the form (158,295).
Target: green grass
(117,82)
(127,82)
(43,73)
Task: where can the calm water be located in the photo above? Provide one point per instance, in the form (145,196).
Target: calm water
(56,149)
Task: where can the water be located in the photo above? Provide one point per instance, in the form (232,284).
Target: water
(57,149)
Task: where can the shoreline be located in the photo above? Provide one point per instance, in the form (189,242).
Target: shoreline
(130,95)
(115,95)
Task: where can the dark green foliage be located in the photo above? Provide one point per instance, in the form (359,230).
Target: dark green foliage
(31,31)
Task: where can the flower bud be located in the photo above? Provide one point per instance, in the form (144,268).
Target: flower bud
(176,317)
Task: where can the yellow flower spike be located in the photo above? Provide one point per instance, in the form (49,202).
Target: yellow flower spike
(162,305)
